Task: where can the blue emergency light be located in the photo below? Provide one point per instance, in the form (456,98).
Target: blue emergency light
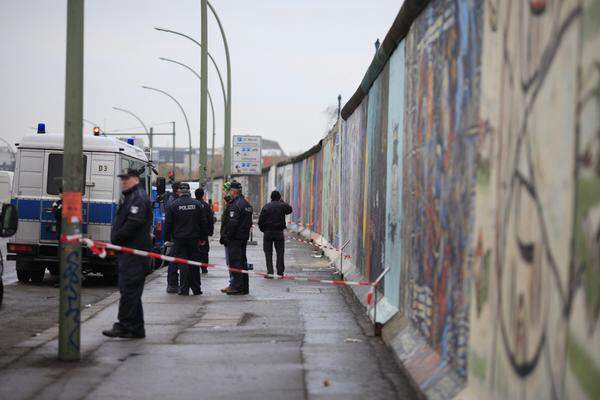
(130,141)
(41,128)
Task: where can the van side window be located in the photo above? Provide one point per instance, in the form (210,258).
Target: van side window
(136,164)
(55,172)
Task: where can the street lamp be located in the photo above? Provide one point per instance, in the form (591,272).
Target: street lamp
(141,122)
(227,141)
(212,108)
(186,123)
(214,63)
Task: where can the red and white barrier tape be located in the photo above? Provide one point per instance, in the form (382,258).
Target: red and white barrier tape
(99,248)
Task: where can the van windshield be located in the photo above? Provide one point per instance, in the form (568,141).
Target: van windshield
(55,173)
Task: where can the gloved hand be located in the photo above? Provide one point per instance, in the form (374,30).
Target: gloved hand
(223,241)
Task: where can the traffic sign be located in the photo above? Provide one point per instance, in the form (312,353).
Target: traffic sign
(247,155)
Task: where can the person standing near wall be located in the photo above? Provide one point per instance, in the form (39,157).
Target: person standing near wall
(172,272)
(237,233)
(272,223)
(223,230)
(204,242)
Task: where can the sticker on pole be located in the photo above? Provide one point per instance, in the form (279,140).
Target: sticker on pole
(247,155)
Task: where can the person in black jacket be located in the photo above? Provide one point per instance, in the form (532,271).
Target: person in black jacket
(272,222)
(237,232)
(210,227)
(223,229)
(172,272)
(131,228)
(186,223)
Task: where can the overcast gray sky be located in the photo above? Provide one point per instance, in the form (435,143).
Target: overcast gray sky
(290,59)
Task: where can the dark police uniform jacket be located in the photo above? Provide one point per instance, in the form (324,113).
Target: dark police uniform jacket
(224,222)
(239,220)
(272,216)
(210,218)
(131,228)
(186,219)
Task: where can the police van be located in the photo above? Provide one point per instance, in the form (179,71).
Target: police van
(36,186)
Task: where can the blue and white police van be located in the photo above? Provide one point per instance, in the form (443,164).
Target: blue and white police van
(36,184)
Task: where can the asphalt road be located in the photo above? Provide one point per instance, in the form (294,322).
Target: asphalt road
(29,308)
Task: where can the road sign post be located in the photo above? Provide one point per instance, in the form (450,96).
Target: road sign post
(247,155)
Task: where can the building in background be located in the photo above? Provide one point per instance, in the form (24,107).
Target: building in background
(7,158)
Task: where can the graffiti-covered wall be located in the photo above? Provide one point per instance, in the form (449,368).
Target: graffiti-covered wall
(536,267)
(441,125)
(469,165)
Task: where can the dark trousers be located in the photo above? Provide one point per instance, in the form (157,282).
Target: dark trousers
(204,250)
(172,275)
(276,238)
(172,270)
(189,275)
(237,259)
(131,285)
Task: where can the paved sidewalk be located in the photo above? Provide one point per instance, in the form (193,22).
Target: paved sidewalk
(286,340)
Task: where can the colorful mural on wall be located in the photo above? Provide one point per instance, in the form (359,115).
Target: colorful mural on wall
(471,168)
(441,123)
(536,269)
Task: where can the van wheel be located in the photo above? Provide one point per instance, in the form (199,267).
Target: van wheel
(54,270)
(37,276)
(23,275)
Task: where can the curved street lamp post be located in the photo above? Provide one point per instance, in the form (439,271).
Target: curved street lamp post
(186,123)
(227,139)
(148,133)
(212,108)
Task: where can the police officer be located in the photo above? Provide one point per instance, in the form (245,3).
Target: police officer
(272,222)
(237,232)
(186,223)
(174,193)
(172,273)
(210,215)
(131,228)
(223,230)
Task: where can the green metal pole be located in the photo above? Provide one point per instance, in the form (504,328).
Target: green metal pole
(227,145)
(203,92)
(174,177)
(212,154)
(69,335)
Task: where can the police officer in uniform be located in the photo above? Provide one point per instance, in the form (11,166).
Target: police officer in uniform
(223,230)
(131,228)
(172,273)
(210,215)
(186,222)
(272,223)
(237,232)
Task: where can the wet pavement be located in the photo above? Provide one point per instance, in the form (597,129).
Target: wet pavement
(286,339)
(28,309)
